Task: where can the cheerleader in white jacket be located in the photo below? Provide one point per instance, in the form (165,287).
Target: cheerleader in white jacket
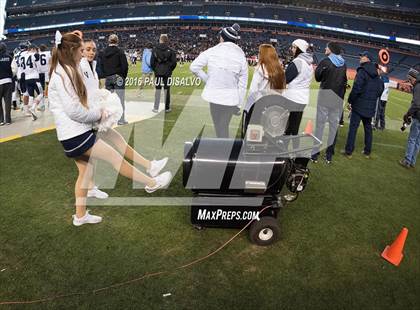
(269,76)
(74,118)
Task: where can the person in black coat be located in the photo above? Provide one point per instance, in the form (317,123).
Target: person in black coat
(367,88)
(114,68)
(6,86)
(332,73)
(163,63)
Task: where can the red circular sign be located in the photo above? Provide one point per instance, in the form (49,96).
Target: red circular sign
(384,56)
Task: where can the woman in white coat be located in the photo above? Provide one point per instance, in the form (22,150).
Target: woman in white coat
(269,76)
(299,75)
(226,78)
(74,120)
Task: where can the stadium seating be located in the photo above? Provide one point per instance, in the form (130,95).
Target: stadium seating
(390,3)
(293,14)
(188,40)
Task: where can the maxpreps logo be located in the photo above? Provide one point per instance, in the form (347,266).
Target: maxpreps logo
(222,215)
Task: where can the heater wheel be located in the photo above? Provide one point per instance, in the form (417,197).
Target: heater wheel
(264,232)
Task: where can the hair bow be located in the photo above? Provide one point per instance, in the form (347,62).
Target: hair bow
(58,37)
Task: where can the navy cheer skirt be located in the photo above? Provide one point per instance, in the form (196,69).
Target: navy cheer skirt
(77,146)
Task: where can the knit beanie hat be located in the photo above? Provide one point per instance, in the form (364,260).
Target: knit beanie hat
(230,34)
(334,47)
(301,44)
(413,73)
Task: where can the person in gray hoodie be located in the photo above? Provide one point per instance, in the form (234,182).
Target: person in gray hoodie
(332,73)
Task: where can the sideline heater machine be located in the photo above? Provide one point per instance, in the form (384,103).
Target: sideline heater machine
(235,181)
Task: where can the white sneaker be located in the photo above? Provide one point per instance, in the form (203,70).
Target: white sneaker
(25,110)
(33,114)
(97,193)
(86,219)
(156,166)
(162,181)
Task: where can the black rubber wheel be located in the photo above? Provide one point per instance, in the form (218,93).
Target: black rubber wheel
(264,232)
(290,197)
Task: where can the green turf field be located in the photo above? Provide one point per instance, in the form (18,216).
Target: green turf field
(328,256)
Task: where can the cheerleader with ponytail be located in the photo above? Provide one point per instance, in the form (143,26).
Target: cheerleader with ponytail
(75,114)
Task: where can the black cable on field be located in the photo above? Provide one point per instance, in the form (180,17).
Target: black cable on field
(131,281)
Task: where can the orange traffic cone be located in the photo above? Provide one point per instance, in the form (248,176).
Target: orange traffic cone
(393,253)
(309,128)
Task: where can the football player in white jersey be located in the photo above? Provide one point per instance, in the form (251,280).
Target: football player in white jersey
(20,75)
(44,68)
(16,92)
(30,66)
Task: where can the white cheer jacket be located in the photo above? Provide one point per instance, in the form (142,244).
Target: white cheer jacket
(260,86)
(71,117)
(90,77)
(227,74)
(298,90)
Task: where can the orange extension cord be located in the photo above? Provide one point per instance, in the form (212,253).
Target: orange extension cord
(147,275)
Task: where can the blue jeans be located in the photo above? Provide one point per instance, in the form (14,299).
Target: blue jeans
(355,119)
(332,116)
(413,143)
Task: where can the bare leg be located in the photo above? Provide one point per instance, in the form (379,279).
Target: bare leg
(80,188)
(122,146)
(91,184)
(102,150)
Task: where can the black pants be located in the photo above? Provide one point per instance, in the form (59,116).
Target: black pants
(162,81)
(294,123)
(293,127)
(42,80)
(221,115)
(116,83)
(6,95)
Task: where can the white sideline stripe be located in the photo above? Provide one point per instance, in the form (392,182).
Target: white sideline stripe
(390,145)
(166,201)
(140,201)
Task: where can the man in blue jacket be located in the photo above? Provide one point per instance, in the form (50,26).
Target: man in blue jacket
(146,67)
(367,88)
